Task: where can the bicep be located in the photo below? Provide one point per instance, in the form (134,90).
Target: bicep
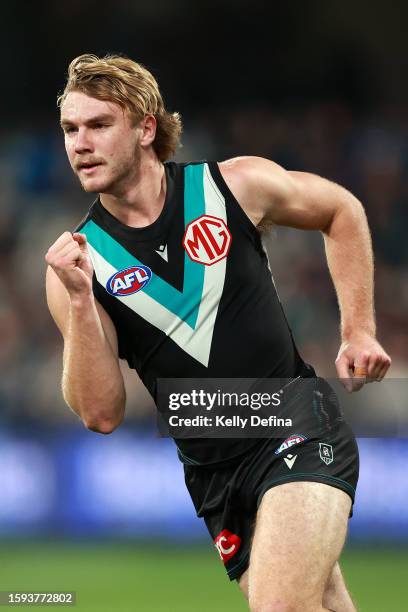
(271,195)
(58,303)
(301,200)
(311,203)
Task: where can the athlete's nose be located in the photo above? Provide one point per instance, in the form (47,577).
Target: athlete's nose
(82,142)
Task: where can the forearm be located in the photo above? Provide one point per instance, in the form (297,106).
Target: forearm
(350,260)
(92,382)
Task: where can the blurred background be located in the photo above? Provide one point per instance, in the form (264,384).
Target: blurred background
(315,86)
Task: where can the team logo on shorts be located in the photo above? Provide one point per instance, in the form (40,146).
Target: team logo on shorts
(129,281)
(227,544)
(291,441)
(326,452)
(207,240)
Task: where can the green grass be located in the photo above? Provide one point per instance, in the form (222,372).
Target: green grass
(124,578)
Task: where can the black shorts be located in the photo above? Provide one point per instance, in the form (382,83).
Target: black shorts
(228,496)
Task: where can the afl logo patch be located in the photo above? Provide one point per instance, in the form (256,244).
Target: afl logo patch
(207,240)
(291,441)
(129,281)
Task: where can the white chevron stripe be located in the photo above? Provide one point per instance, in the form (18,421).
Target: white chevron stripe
(196,342)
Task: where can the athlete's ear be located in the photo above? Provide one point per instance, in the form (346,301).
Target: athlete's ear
(148,126)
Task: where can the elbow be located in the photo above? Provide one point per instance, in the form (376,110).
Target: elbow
(103,426)
(101,420)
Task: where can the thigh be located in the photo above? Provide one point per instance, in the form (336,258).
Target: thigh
(335,595)
(299,533)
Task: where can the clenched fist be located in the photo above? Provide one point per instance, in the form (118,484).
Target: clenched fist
(70,260)
(361,359)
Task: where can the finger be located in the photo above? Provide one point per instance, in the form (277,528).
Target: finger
(64,242)
(56,256)
(68,248)
(80,239)
(377,363)
(358,382)
(374,367)
(343,372)
(69,259)
(64,239)
(360,371)
(384,369)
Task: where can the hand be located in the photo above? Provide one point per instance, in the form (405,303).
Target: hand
(70,260)
(361,359)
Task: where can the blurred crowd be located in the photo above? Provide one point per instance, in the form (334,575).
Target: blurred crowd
(40,199)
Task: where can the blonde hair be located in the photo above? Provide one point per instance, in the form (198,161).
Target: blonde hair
(121,80)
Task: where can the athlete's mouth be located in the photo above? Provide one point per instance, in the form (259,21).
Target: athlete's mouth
(88,166)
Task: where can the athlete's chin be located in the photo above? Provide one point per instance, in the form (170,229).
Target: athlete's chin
(95,185)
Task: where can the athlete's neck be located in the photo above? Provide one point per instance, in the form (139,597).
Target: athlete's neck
(140,203)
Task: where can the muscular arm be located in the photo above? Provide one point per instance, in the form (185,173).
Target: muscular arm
(92,382)
(270,195)
(322,205)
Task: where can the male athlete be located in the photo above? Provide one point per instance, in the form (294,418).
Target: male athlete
(167,271)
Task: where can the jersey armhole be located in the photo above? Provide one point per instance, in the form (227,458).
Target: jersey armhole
(228,195)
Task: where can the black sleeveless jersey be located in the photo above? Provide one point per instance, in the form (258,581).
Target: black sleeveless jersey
(191,295)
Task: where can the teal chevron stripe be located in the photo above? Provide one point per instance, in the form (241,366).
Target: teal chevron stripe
(185,304)
(194,203)
(194,206)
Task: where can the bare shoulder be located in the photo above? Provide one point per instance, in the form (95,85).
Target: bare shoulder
(256,184)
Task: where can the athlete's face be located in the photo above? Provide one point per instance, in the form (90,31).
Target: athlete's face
(102,144)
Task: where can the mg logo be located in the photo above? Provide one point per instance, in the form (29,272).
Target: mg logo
(207,240)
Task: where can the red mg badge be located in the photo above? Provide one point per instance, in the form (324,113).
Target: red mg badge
(207,240)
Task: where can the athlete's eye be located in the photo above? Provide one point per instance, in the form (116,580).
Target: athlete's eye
(69,129)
